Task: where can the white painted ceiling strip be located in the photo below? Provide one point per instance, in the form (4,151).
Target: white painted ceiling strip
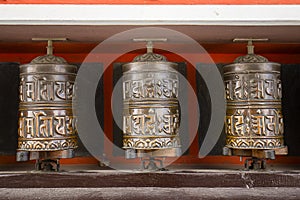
(265,15)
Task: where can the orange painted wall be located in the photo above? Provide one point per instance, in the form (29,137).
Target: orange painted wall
(154,2)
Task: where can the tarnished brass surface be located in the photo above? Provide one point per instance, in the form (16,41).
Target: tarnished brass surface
(254,119)
(46,122)
(151,115)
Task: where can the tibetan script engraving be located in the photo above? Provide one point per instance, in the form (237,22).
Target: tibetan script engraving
(46,126)
(150,88)
(42,89)
(254,88)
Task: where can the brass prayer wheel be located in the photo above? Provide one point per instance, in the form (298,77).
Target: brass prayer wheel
(254,121)
(151,116)
(47,128)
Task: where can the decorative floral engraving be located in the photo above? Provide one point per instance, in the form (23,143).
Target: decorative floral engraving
(251,58)
(151,143)
(47,145)
(48,59)
(150,57)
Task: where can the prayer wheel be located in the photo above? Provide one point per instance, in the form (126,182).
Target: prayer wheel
(47,130)
(254,121)
(151,115)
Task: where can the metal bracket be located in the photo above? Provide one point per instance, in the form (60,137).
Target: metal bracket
(152,166)
(150,42)
(250,47)
(22,156)
(255,163)
(50,43)
(250,39)
(47,165)
(149,39)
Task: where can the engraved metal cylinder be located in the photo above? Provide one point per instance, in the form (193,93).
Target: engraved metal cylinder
(46,122)
(151,113)
(254,118)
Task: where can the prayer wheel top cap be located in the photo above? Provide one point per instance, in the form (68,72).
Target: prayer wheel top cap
(251,61)
(48,62)
(150,56)
(49,58)
(149,59)
(251,57)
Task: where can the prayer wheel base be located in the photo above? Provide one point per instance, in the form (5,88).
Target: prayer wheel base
(44,155)
(151,159)
(257,158)
(141,153)
(258,153)
(45,160)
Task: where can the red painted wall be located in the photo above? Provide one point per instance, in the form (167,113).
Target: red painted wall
(24,53)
